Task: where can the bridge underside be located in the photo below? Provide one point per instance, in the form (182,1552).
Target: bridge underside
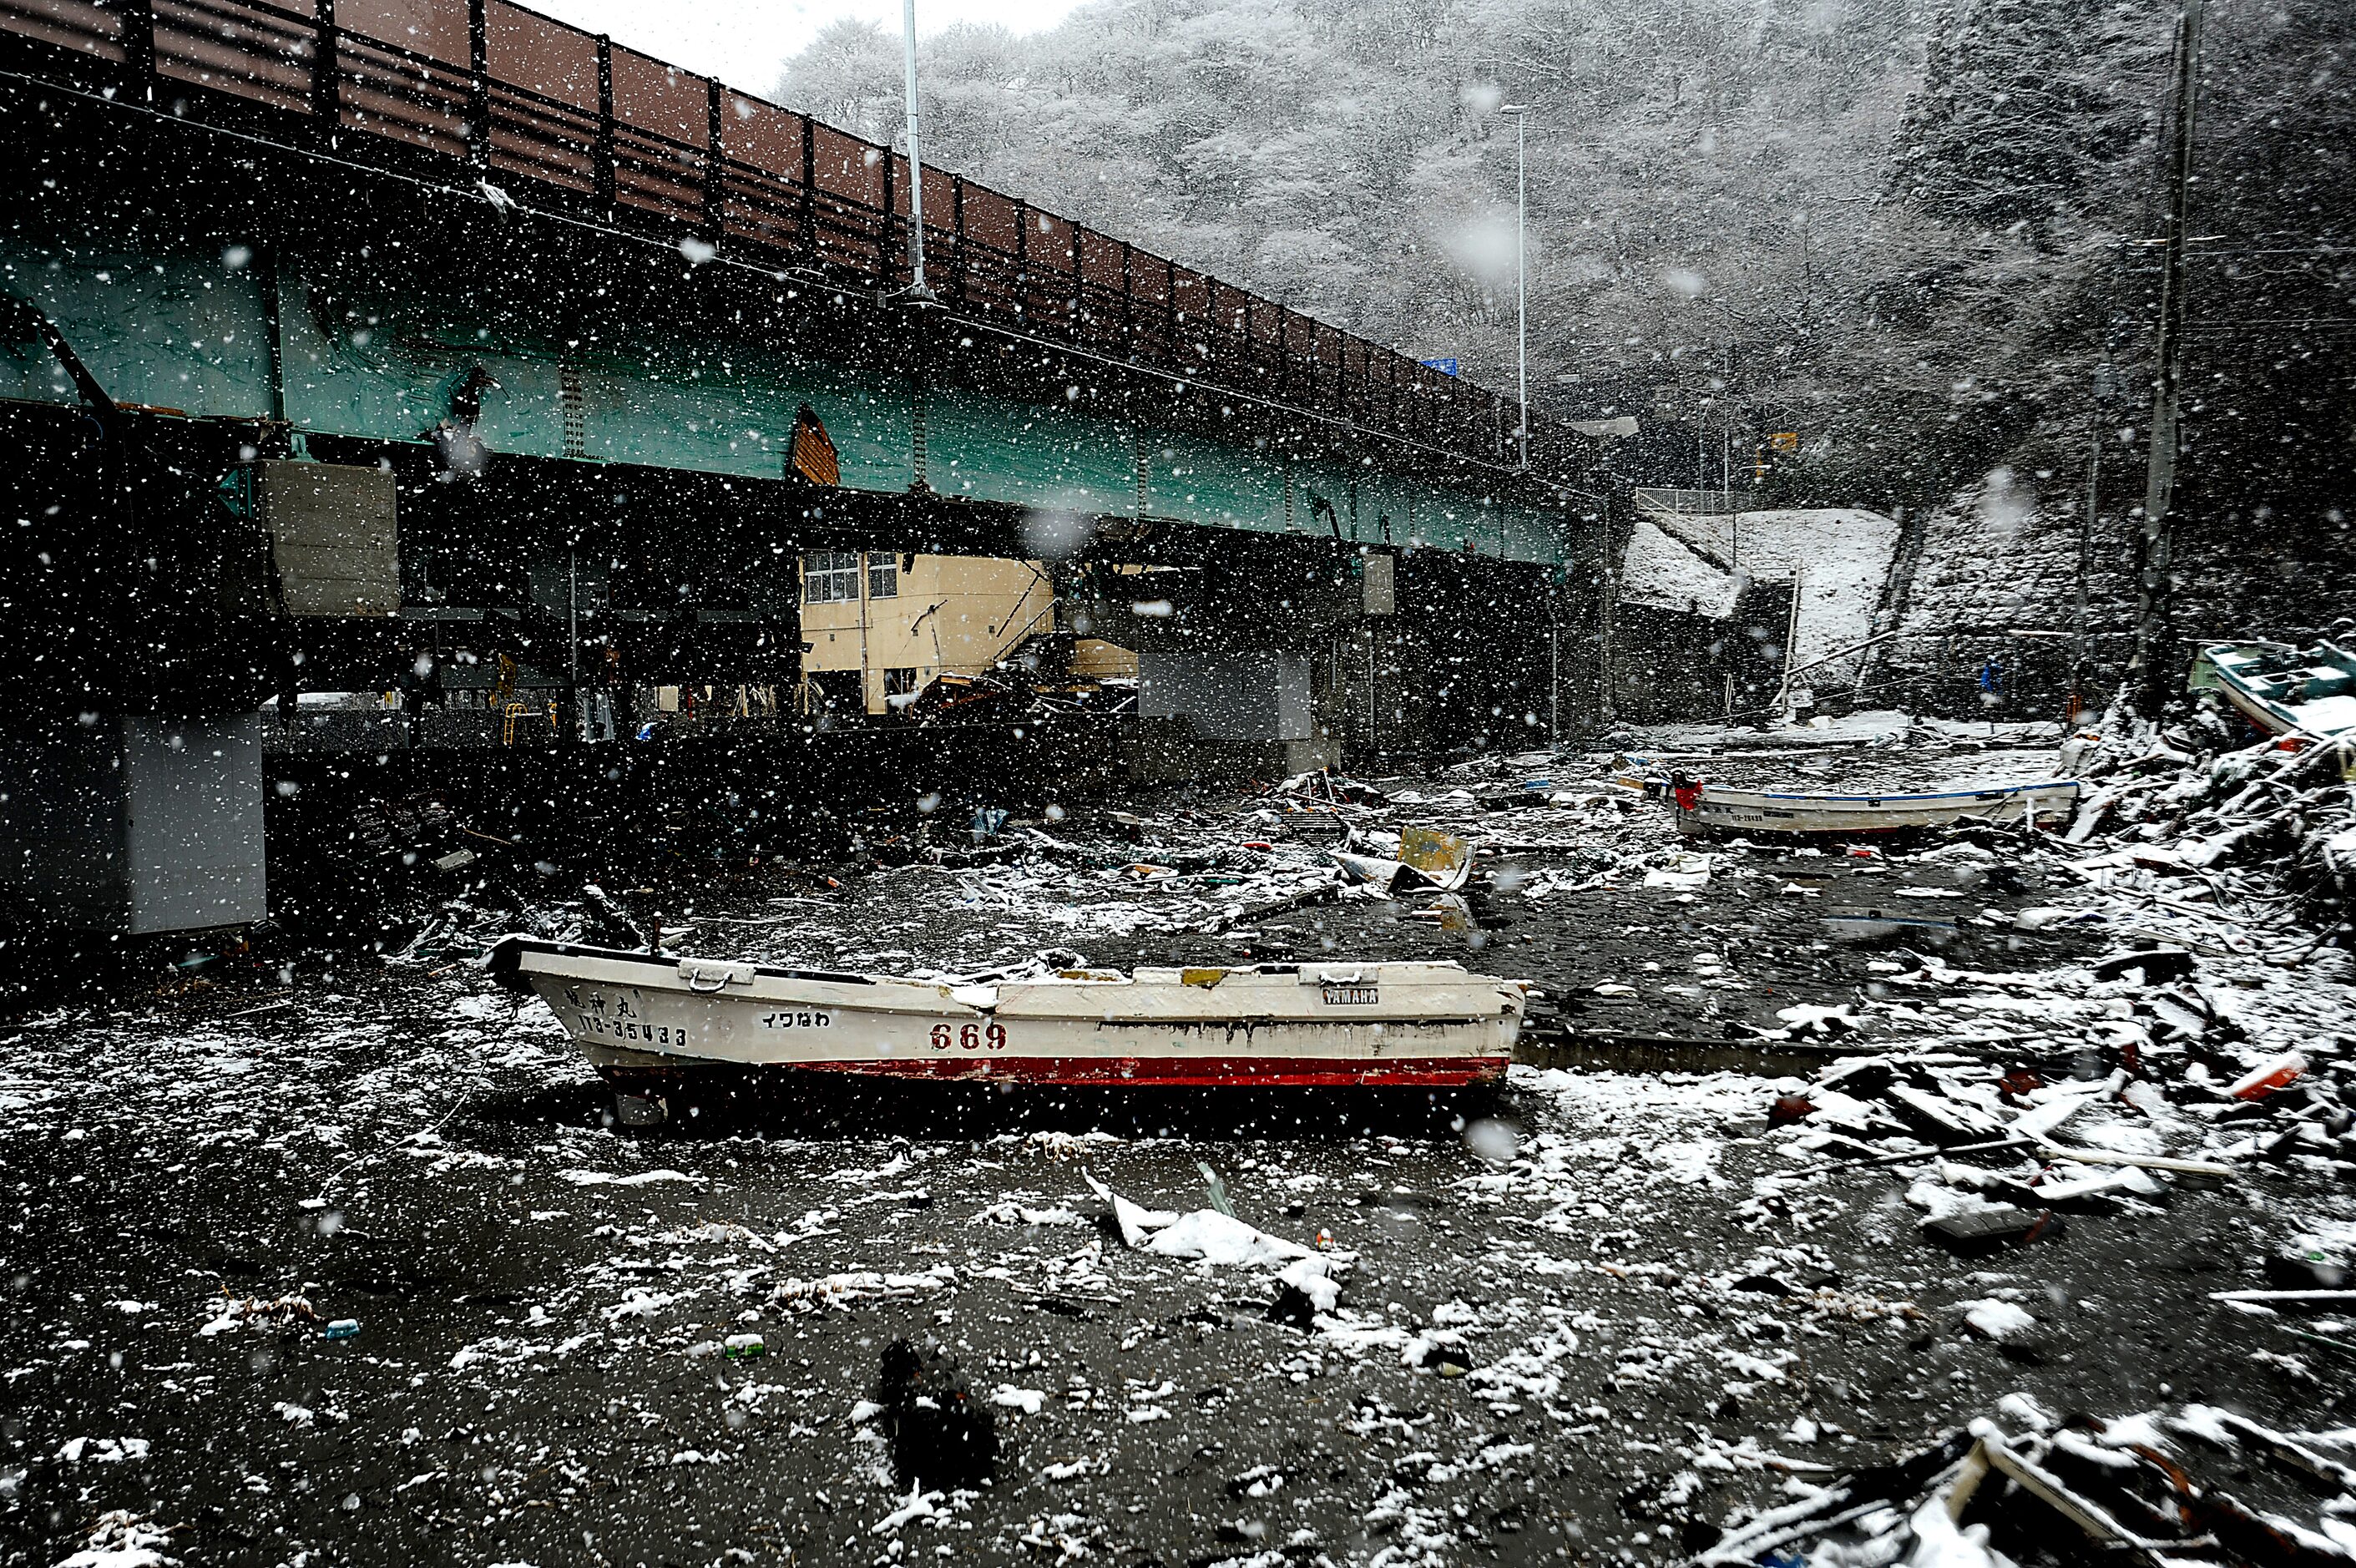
(586,436)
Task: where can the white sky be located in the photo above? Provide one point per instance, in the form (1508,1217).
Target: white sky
(744,43)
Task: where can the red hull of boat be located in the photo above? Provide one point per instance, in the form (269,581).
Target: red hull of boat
(1130,1072)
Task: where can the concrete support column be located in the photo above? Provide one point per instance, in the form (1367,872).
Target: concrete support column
(1256,695)
(135,825)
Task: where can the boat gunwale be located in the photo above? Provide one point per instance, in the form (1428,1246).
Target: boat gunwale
(518,944)
(508,963)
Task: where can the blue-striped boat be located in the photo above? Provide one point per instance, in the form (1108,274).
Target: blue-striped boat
(1715,809)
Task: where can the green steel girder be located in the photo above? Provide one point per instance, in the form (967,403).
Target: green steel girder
(603,349)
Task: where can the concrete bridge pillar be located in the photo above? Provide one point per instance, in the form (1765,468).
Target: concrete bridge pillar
(1235,653)
(135,825)
(1239,693)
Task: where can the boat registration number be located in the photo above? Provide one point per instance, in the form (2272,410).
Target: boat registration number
(633,1031)
(970,1037)
(1350,995)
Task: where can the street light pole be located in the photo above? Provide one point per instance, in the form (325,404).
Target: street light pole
(2150,668)
(1521,113)
(916,287)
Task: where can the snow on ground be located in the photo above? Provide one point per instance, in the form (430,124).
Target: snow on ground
(1840,556)
(1659,569)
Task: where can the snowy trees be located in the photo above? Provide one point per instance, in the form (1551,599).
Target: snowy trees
(1350,160)
(2026,110)
(1910,231)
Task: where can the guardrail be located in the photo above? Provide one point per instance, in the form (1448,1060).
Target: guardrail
(1659,501)
(494,88)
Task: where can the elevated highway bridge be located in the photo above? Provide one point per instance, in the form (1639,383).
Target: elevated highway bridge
(340,333)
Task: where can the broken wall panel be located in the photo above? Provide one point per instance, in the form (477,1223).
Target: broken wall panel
(1673,666)
(335,544)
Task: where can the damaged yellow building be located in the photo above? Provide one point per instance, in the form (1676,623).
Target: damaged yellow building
(880,625)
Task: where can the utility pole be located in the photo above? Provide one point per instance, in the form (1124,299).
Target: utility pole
(1726,431)
(1521,113)
(2154,657)
(572,638)
(573,623)
(1606,613)
(2085,553)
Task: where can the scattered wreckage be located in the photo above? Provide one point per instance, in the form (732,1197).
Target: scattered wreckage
(1619,1327)
(650,1020)
(2003,1150)
(1409,859)
(2066,1488)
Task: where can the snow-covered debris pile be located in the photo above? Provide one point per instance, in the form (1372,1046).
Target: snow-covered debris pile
(1326,788)
(122,1540)
(1999,1148)
(861,1284)
(228,1312)
(2143,1486)
(2173,803)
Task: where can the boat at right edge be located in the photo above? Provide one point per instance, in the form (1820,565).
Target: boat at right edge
(2281,689)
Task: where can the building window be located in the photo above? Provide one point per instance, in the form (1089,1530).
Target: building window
(900,682)
(829,576)
(884,577)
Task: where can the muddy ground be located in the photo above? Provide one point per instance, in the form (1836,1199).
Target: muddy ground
(1582,1319)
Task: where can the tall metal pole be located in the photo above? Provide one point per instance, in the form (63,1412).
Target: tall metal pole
(2152,655)
(916,285)
(1607,614)
(573,639)
(1554,677)
(573,621)
(1521,113)
(1522,277)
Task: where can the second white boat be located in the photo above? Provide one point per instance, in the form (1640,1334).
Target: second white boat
(1715,809)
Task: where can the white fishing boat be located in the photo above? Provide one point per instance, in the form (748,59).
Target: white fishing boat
(2281,689)
(647,1021)
(1715,809)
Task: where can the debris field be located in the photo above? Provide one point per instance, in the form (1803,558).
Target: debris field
(2017,1168)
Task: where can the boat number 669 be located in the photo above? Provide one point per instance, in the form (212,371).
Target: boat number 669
(968,1037)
